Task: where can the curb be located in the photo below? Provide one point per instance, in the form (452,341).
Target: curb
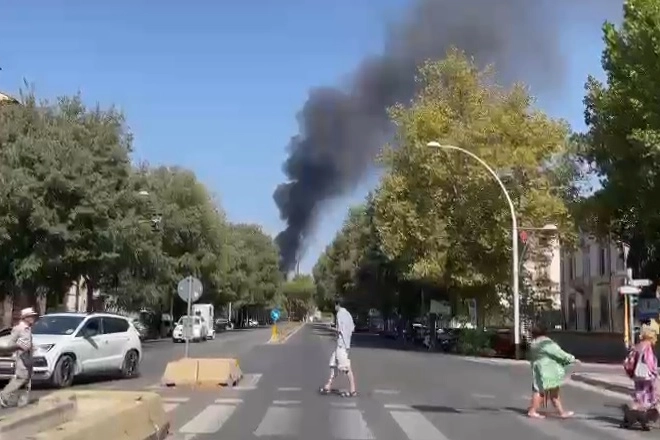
(578,377)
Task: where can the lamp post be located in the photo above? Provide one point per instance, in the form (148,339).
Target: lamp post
(515,269)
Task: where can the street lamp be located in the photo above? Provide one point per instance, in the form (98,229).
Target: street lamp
(514,239)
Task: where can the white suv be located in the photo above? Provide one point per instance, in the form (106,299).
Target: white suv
(72,344)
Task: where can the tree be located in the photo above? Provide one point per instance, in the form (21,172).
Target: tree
(299,295)
(64,170)
(621,144)
(440,214)
(354,266)
(72,208)
(254,276)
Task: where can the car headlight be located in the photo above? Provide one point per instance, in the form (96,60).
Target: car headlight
(45,347)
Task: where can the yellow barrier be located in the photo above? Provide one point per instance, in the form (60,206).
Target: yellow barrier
(33,419)
(109,415)
(203,373)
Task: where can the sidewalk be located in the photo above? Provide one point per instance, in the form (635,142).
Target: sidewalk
(617,383)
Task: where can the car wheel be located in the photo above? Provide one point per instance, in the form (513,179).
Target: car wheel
(131,365)
(64,372)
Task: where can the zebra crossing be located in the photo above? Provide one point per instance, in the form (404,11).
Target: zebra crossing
(285,418)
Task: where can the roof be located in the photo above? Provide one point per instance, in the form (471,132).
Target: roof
(85,315)
(5,97)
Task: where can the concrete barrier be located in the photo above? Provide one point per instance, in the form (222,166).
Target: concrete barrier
(33,419)
(182,372)
(111,415)
(202,373)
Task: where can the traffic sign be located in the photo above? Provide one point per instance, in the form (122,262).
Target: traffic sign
(629,290)
(641,283)
(190,289)
(275,315)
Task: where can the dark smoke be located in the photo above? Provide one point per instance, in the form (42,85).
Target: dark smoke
(341,130)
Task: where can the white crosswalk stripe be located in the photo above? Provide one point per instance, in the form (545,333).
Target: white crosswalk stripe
(248,382)
(349,420)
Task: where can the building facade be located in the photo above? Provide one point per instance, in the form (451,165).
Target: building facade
(590,276)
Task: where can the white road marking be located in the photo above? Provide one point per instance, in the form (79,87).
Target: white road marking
(344,404)
(289,389)
(483,396)
(280,421)
(249,382)
(286,402)
(348,424)
(209,421)
(229,401)
(416,426)
(176,399)
(388,392)
(398,406)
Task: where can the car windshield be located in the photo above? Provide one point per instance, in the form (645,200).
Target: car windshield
(56,325)
(183,319)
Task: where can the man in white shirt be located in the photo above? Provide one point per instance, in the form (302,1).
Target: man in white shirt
(339,360)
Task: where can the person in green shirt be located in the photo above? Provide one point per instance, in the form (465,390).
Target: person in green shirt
(549,363)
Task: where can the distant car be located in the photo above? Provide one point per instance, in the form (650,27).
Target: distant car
(199,330)
(73,344)
(222,324)
(253,323)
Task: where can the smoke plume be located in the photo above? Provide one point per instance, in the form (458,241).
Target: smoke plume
(342,129)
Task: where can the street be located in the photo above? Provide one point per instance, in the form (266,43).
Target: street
(403,394)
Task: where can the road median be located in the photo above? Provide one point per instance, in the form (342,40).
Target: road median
(89,414)
(285,330)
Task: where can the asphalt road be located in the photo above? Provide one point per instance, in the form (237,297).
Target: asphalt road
(403,395)
(156,355)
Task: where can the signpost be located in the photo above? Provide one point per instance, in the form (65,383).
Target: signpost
(190,290)
(275,316)
(631,291)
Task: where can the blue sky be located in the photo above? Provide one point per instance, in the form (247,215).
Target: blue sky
(215,86)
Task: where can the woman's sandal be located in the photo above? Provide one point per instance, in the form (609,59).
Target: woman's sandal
(535,415)
(324,390)
(348,394)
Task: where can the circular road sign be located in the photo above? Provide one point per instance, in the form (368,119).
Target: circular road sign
(275,315)
(190,287)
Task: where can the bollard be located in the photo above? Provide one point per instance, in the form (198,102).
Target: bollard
(274,333)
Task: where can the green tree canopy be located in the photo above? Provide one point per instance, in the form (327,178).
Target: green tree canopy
(299,296)
(621,144)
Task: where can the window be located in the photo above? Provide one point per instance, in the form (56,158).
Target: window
(56,325)
(91,328)
(586,262)
(604,311)
(602,262)
(114,325)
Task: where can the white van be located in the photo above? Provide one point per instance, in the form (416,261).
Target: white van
(207,313)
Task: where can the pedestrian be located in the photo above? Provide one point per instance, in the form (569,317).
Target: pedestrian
(548,362)
(340,360)
(644,371)
(20,342)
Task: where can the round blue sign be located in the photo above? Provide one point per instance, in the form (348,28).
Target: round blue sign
(275,314)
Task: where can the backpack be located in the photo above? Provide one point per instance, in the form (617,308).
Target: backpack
(630,363)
